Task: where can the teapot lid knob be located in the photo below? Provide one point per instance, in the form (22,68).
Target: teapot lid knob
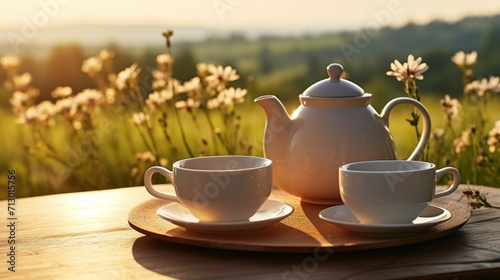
(335,71)
(334,86)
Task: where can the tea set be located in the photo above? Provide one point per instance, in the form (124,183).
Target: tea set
(335,149)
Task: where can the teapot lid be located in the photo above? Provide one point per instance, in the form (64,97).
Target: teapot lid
(334,86)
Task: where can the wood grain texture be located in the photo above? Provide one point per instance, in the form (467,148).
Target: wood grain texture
(87,236)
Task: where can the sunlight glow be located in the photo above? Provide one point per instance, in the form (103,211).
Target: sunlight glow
(225,14)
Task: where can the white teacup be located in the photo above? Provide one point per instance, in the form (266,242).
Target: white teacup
(391,191)
(217,188)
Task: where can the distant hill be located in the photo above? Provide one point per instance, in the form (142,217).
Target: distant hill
(141,36)
(286,66)
(134,36)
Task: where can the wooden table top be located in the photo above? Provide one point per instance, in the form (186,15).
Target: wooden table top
(86,235)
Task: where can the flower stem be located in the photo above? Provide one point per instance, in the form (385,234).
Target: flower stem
(183,133)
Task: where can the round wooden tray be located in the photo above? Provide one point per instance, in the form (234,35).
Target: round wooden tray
(303,231)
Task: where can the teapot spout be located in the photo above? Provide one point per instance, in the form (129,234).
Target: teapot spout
(278,119)
(278,130)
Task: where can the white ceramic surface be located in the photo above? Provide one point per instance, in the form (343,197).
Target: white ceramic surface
(217,188)
(335,124)
(391,191)
(272,211)
(343,217)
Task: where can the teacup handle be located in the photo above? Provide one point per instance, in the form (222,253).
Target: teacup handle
(148,176)
(426,130)
(454,184)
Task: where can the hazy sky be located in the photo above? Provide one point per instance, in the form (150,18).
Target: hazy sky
(238,14)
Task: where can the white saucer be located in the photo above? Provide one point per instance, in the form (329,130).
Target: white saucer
(269,213)
(342,217)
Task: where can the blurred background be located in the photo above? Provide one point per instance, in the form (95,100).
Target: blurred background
(281,46)
(284,45)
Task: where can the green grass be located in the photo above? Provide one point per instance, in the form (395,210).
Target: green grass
(117,141)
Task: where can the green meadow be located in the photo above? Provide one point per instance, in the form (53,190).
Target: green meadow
(119,141)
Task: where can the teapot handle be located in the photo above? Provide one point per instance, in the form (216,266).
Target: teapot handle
(426,122)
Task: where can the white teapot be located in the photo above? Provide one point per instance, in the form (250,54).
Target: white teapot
(335,124)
